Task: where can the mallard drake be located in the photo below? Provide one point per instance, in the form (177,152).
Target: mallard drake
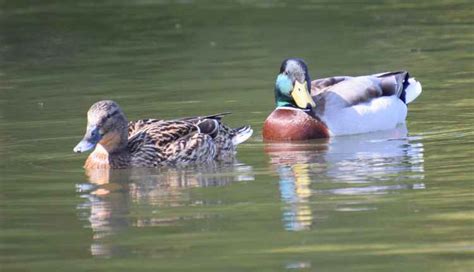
(339,105)
(152,142)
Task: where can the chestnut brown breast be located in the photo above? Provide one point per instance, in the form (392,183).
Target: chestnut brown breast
(293,125)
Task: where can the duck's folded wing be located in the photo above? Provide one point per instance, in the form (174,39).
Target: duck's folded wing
(217,116)
(340,92)
(320,85)
(165,132)
(209,124)
(196,148)
(393,83)
(148,142)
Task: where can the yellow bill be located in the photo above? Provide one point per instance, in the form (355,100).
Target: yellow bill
(301,95)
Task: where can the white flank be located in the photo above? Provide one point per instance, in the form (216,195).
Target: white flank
(378,114)
(413,90)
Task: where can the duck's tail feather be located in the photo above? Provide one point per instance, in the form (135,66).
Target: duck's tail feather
(241,135)
(412,90)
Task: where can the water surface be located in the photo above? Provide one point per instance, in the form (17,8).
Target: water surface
(397,200)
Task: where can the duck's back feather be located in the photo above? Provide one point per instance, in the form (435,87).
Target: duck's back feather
(154,142)
(149,144)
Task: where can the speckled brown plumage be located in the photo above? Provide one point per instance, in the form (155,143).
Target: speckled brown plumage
(154,142)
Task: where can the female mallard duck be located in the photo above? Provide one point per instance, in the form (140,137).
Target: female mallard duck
(152,142)
(338,105)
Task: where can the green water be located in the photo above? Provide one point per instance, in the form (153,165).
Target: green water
(399,200)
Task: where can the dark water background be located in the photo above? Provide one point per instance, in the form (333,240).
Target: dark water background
(399,200)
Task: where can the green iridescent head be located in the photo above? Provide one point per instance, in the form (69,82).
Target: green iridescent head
(293,85)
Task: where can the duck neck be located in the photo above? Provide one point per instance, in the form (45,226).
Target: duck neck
(282,100)
(115,142)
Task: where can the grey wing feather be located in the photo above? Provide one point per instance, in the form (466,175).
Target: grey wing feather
(344,91)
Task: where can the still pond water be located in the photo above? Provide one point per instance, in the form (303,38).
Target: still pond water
(398,200)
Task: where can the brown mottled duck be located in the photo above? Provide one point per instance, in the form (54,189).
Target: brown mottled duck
(118,143)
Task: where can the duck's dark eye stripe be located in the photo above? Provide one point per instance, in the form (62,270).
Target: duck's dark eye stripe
(109,115)
(112,114)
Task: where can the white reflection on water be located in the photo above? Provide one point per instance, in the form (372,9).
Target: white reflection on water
(111,193)
(367,164)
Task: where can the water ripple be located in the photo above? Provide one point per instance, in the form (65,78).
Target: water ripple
(369,164)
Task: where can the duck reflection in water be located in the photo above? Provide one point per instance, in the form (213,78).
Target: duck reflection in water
(111,195)
(360,165)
